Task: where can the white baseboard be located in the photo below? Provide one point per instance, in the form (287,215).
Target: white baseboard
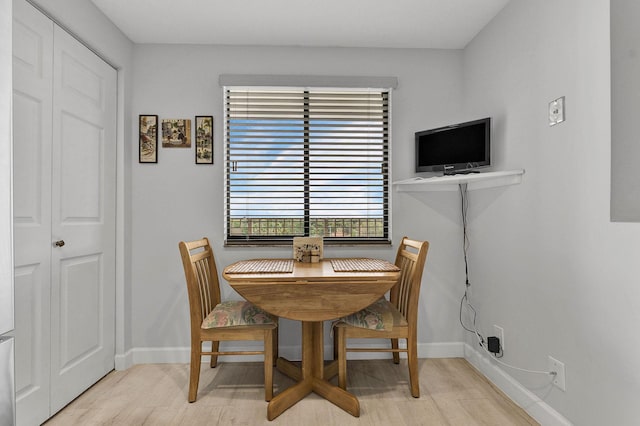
(181,354)
(523,397)
(124,361)
(441,350)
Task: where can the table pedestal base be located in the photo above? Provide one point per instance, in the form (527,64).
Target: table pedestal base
(312,376)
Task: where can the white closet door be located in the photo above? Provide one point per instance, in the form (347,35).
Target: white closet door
(32,112)
(83,216)
(64,120)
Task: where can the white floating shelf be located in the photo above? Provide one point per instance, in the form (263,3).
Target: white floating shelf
(451,183)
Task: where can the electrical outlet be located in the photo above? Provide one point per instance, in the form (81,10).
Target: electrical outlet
(499,332)
(559,378)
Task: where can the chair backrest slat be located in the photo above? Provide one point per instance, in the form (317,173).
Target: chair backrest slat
(410,259)
(201,271)
(202,279)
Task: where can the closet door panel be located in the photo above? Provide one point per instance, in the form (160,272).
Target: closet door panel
(32,124)
(83,216)
(82,178)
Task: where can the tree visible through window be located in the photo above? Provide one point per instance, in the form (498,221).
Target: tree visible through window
(306,163)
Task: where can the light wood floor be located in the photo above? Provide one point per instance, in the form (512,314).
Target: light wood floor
(452,393)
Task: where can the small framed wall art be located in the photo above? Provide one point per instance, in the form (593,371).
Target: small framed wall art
(176,133)
(204,139)
(148,139)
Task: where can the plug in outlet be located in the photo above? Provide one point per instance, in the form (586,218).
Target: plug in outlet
(558,367)
(499,332)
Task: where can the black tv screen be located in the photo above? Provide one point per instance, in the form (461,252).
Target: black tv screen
(455,148)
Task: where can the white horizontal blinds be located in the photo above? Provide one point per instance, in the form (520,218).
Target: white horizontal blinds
(307,162)
(348,133)
(265,154)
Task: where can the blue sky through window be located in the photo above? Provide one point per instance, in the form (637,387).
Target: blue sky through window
(345,172)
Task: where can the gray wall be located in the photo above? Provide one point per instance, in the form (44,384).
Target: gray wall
(549,265)
(625,108)
(6,247)
(177,200)
(7,408)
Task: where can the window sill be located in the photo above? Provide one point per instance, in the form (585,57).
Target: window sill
(289,243)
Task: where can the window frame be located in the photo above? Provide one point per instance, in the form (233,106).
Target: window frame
(385,239)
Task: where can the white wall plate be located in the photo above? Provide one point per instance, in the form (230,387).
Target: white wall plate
(556,111)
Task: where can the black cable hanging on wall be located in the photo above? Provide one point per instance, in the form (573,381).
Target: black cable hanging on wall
(464,204)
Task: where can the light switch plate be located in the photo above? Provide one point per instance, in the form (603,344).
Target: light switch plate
(556,111)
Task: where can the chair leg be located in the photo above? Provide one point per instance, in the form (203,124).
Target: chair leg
(194,370)
(340,337)
(335,343)
(412,360)
(396,355)
(268,364)
(215,347)
(275,345)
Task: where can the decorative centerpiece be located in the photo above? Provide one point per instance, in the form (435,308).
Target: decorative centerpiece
(307,249)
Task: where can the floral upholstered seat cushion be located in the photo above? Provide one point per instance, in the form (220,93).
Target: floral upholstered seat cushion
(377,316)
(235,313)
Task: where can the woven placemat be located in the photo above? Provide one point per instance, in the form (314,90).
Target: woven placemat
(363,265)
(261,266)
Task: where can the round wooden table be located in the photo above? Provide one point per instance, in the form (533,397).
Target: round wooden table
(311,293)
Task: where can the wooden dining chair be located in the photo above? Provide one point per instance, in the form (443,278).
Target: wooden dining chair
(393,319)
(214,321)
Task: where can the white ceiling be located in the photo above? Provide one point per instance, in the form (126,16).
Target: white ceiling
(444,24)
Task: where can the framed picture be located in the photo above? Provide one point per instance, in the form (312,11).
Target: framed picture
(176,133)
(148,139)
(204,139)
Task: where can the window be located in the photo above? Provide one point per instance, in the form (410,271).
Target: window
(302,162)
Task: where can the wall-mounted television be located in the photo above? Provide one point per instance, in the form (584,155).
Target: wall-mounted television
(458,148)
